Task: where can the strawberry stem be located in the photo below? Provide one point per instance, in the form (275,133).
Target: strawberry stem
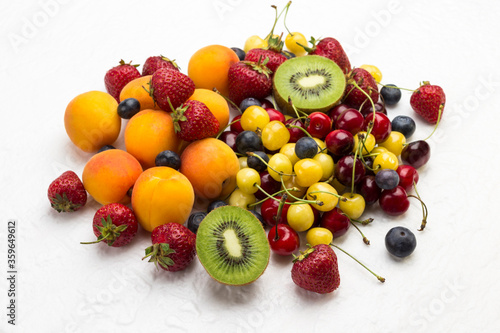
(381,279)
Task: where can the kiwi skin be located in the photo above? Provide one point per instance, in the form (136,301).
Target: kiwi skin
(250,219)
(283,102)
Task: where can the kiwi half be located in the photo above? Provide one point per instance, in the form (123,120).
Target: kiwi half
(312,82)
(232,246)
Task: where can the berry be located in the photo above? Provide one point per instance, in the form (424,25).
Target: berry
(275,114)
(381,126)
(367,108)
(170,89)
(293,42)
(114,224)
(400,242)
(416,153)
(117,77)
(247,102)
(351,120)
(407,176)
(316,270)
(319,235)
(343,170)
(339,142)
(256,163)
(66,193)
(394,202)
(330,48)
(152,64)
(318,124)
(295,133)
(404,124)
(369,189)
(273,59)
(168,158)
(336,111)
(215,204)
(194,121)
(374,71)
(306,147)
(173,247)
(128,108)
(269,211)
(249,79)
(248,141)
(239,52)
(283,239)
(229,138)
(335,221)
(427,100)
(236,124)
(354,96)
(105,147)
(390,94)
(268,184)
(194,221)
(275,135)
(387,179)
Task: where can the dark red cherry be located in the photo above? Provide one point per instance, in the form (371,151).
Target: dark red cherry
(339,142)
(394,202)
(269,184)
(368,189)
(381,126)
(236,124)
(229,137)
(275,115)
(318,124)
(344,167)
(266,104)
(295,133)
(416,153)
(283,239)
(269,211)
(336,111)
(367,108)
(335,221)
(350,120)
(407,175)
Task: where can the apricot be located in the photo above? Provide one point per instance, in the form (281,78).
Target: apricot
(215,103)
(148,133)
(91,120)
(109,175)
(138,89)
(211,167)
(162,195)
(208,67)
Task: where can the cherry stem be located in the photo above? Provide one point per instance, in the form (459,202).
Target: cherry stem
(341,198)
(412,90)
(381,279)
(277,17)
(304,115)
(271,196)
(228,100)
(300,200)
(425,211)
(365,240)
(278,216)
(364,222)
(250,153)
(284,19)
(228,125)
(441,107)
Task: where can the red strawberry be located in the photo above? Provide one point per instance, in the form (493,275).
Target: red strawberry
(170,88)
(330,48)
(272,53)
(66,193)
(317,270)
(427,100)
(152,64)
(174,247)
(194,121)
(249,79)
(117,77)
(354,97)
(114,224)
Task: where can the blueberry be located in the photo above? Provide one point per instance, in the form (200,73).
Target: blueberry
(306,147)
(391,95)
(106,147)
(128,108)
(239,52)
(404,125)
(248,141)
(400,242)
(259,217)
(256,163)
(387,179)
(247,102)
(215,204)
(168,158)
(194,221)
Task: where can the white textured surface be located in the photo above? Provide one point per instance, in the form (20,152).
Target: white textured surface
(449,284)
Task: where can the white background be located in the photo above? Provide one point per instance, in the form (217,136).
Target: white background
(53,50)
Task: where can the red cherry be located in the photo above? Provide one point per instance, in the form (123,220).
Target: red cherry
(339,142)
(336,111)
(275,115)
(269,211)
(266,104)
(229,138)
(236,125)
(407,175)
(416,153)
(283,240)
(295,133)
(369,189)
(395,201)
(335,221)
(319,124)
(367,108)
(343,170)
(381,126)
(269,184)
(350,120)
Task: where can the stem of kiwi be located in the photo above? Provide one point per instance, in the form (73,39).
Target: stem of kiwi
(381,279)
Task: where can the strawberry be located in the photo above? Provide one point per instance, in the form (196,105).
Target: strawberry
(194,121)
(427,100)
(174,247)
(170,88)
(114,224)
(354,97)
(249,79)
(316,269)
(275,59)
(117,77)
(152,64)
(66,193)
(330,48)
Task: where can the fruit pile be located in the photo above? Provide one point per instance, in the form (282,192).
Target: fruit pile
(311,146)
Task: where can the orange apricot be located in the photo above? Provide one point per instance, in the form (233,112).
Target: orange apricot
(91,120)
(148,133)
(208,67)
(211,167)
(109,175)
(139,89)
(215,103)
(162,195)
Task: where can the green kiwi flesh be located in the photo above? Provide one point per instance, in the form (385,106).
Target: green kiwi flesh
(312,82)
(232,246)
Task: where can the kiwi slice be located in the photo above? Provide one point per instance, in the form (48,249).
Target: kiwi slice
(232,246)
(312,82)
